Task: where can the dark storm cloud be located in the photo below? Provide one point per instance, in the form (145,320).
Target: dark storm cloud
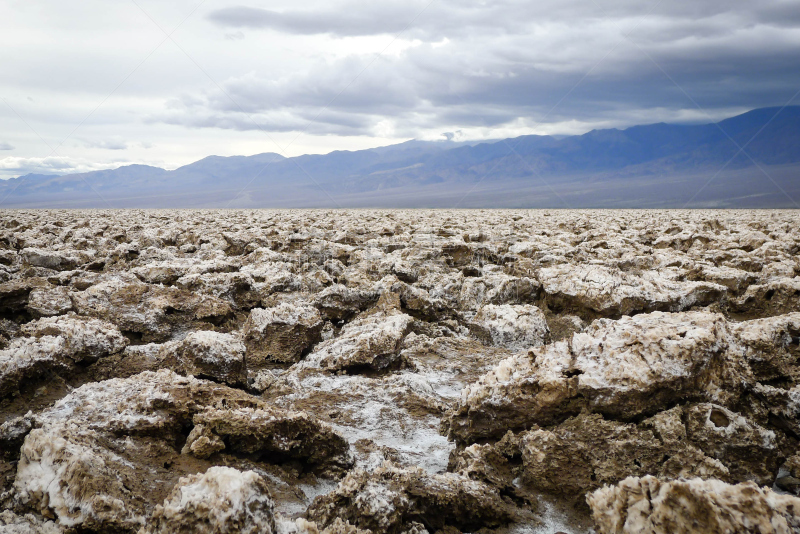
(489,64)
(443,17)
(326,122)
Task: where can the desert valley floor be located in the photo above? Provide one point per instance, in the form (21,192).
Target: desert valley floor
(371,371)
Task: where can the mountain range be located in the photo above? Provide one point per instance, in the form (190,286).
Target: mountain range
(751,160)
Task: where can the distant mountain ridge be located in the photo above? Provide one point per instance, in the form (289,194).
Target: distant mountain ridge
(602,168)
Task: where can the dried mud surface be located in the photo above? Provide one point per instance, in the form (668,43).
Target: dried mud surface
(353,372)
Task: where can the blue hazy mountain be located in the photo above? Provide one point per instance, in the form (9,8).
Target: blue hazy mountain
(652,165)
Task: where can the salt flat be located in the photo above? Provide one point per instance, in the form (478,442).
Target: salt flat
(400,371)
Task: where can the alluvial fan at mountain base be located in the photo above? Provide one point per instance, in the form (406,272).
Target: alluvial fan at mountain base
(401,372)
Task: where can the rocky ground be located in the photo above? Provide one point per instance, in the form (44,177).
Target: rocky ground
(348,372)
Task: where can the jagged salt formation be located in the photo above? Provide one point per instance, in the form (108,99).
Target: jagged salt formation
(394,500)
(649,505)
(221,501)
(625,368)
(355,372)
(56,344)
(281,334)
(106,440)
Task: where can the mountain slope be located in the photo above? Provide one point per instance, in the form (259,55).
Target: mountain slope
(635,159)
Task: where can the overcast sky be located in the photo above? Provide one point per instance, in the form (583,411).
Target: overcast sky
(98,83)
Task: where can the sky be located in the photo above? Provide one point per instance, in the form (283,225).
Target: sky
(102,83)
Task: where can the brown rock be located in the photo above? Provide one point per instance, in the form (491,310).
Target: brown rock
(220,501)
(622,369)
(649,505)
(771,348)
(341,302)
(107,453)
(154,312)
(219,357)
(274,434)
(281,334)
(772,298)
(587,451)
(390,498)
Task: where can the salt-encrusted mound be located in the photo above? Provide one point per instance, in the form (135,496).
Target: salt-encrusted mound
(391,498)
(302,526)
(213,355)
(340,302)
(169,271)
(624,369)
(222,500)
(15,294)
(496,288)
(271,432)
(50,259)
(155,312)
(11,523)
(238,288)
(49,302)
(272,276)
(161,403)
(513,326)
(415,299)
(281,334)
(370,341)
(206,354)
(84,338)
(770,347)
(782,406)
(772,298)
(650,506)
(587,451)
(67,472)
(736,280)
(56,344)
(598,289)
(102,454)
(12,434)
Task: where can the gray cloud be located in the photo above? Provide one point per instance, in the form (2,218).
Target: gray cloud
(506,17)
(618,69)
(367,19)
(13,166)
(107,144)
(452,136)
(6,146)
